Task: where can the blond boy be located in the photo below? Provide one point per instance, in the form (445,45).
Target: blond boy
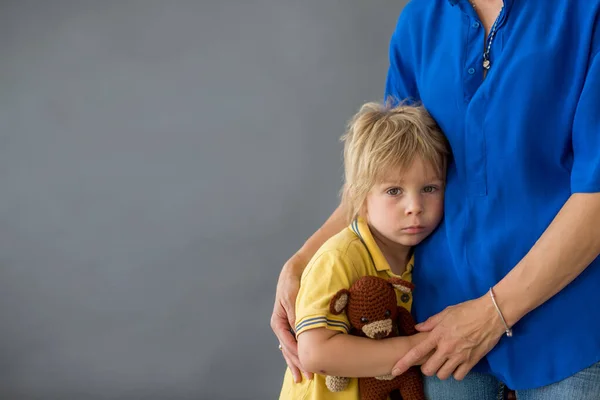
(395,165)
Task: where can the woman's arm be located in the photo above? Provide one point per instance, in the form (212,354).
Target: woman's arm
(284,315)
(461,335)
(563,252)
(328,352)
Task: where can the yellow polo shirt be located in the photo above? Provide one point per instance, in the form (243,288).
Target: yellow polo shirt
(341,260)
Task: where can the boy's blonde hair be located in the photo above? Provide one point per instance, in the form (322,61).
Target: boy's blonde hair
(380,138)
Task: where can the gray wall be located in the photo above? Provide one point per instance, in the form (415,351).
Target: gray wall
(159,161)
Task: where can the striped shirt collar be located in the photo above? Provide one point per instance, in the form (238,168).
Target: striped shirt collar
(360,227)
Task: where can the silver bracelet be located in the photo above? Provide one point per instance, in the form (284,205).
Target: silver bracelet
(507,329)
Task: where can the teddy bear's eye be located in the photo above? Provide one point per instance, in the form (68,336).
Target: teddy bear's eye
(364,320)
(387,313)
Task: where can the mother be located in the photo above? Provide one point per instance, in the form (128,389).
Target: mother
(522,197)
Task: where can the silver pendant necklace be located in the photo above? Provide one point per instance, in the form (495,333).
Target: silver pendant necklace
(486,54)
(487,64)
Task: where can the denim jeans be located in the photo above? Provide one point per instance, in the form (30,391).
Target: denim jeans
(584,385)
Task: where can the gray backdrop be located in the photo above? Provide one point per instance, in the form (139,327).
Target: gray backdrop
(159,161)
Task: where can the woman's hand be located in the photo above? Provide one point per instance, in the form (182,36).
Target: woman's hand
(284,315)
(459,337)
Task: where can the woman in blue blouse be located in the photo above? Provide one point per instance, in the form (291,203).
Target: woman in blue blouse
(515,85)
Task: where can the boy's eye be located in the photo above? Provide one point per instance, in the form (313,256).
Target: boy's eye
(429,189)
(364,320)
(394,191)
(387,313)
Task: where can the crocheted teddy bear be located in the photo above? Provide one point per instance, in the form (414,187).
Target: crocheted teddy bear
(372,310)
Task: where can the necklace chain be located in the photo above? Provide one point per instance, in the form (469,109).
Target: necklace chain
(487,64)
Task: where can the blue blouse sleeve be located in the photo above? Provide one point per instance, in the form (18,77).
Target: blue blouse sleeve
(401,83)
(585,175)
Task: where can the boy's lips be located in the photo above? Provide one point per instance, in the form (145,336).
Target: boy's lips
(413,229)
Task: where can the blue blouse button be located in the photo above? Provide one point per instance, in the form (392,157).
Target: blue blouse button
(475,24)
(471,71)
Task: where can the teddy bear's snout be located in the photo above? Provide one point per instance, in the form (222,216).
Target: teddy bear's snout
(378,329)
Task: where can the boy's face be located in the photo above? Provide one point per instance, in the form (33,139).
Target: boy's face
(407,205)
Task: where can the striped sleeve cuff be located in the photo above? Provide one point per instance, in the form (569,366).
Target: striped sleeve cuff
(321,322)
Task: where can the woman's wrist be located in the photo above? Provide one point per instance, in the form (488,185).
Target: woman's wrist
(507,328)
(493,320)
(509,303)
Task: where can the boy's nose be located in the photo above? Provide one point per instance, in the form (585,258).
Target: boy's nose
(415,207)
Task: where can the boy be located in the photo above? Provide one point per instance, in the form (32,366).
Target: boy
(395,166)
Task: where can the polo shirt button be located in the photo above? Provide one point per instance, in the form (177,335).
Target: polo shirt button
(405,298)
(471,71)
(475,24)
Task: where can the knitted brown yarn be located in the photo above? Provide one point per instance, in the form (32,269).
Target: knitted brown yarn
(372,310)
(410,385)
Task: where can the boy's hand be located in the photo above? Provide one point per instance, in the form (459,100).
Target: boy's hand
(284,315)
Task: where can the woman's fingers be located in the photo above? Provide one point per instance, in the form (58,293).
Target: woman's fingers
(284,317)
(447,369)
(463,370)
(414,356)
(435,362)
(289,347)
(286,339)
(292,366)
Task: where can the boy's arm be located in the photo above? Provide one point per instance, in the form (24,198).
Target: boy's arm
(328,352)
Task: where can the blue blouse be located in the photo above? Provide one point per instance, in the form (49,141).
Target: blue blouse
(524,139)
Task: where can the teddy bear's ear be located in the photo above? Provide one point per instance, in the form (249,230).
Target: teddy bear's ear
(401,285)
(339,301)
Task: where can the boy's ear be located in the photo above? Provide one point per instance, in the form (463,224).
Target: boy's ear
(362,211)
(401,285)
(339,302)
